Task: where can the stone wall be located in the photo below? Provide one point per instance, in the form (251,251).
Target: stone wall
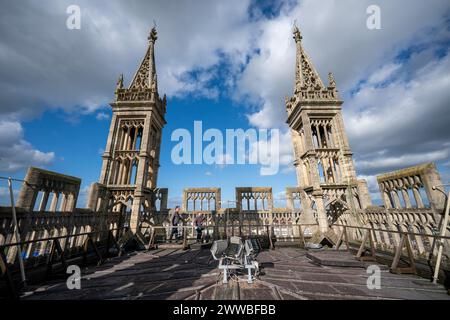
(63,190)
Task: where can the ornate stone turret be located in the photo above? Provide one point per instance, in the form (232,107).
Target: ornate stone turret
(131,158)
(323,159)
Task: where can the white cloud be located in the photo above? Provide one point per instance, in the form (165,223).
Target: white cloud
(76,70)
(405,160)
(4,194)
(102,116)
(16,153)
(397,116)
(337,39)
(405,118)
(403,123)
(384,73)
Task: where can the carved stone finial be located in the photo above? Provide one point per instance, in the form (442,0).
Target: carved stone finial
(153,35)
(154,83)
(120,82)
(297,35)
(331,81)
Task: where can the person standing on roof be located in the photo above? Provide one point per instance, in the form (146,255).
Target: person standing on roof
(198,224)
(174,219)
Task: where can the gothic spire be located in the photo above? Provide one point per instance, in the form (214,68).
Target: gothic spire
(145,77)
(306,75)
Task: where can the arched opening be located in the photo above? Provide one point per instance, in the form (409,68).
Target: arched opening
(412,199)
(134,172)
(323,139)
(138,140)
(402,200)
(38,201)
(132,139)
(315,137)
(330,137)
(321,173)
(424,196)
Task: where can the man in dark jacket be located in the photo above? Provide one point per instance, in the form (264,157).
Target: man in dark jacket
(198,224)
(175,218)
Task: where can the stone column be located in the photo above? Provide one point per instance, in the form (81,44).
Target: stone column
(298,171)
(28,194)
(135,211)
(107,154)
(184,202)
(289,200)
(63,205)
(322,219)
(429,179)
(93,196)
(386,200)
(44,201)
(54,202)
(218,199)
(309,145)
(238,200)
(326,136)
(270,200)
(364,194)
(406,198)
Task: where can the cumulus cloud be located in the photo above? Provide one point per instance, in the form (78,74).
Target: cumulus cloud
(45,65)
(102,116)
(4,192)
(392,80)
(384,73)
(16,153)
(395,101)
(402,123)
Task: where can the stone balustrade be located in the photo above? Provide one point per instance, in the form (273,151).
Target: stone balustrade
(42,225)
(201,199)
(63,190)
(412,187)
(254,198)
(253,211)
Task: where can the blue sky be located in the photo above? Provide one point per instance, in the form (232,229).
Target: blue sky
(228,64)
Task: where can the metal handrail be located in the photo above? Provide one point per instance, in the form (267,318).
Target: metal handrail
(244,225)
(21,243)
(393,231)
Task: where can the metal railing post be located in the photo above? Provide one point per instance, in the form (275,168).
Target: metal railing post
(441,240)
(16,232)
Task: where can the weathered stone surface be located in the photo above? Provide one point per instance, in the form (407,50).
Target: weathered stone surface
(287,274)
